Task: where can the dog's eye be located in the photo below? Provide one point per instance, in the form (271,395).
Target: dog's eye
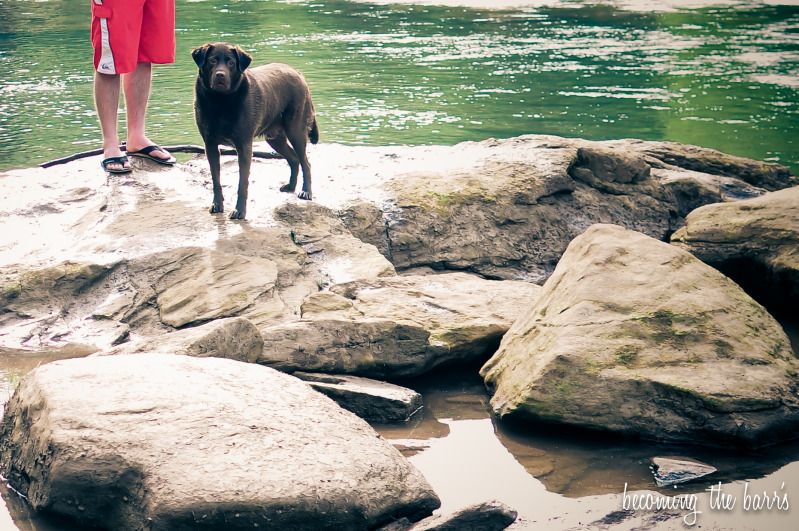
(212,60)
(231,63)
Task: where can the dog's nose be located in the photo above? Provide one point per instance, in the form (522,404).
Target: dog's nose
(219,76)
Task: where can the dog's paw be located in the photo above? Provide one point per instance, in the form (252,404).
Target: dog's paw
(288,188)
(238,214)
(216,208)
(305,195)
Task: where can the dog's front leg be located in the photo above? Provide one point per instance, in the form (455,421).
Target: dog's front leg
(212,154)
(244,152)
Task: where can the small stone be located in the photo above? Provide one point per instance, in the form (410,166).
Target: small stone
(675,470)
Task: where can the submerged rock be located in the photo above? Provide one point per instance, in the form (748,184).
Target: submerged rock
(162,442)
(755,242)
(372,400)
(397,326)
(670,471)
(637,336)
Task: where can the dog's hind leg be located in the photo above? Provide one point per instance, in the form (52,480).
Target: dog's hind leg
(212,154)
(244,152)
(298,136)
(282,147)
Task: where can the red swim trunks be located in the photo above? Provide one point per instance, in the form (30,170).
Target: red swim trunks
(128,32)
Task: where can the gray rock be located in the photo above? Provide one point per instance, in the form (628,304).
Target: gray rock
(637,336)
(162,442)
(670,471)
(710,161)
(510,207)
(234,338)
(372,400)
(486,516)
(397,326)
(755,242)
(205,284)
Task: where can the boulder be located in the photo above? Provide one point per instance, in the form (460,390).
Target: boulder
(755,242)
(372,400)
(636,336)
(397,326)
(507,209)
(163,442)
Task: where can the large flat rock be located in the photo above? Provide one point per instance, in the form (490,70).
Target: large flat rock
(139,255)
(636,336)
(510,207)
(163,442)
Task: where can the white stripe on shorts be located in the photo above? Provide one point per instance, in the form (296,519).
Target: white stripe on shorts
(106,64)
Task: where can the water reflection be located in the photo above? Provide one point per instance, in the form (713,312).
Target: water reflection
(420,74)
(547,473)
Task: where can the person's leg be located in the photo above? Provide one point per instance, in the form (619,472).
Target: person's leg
(106,99)
(137,93)
(156,45)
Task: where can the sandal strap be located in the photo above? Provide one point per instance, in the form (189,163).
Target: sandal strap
(149,149)
(115,160)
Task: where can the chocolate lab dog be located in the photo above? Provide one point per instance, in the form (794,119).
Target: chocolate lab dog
(234,104)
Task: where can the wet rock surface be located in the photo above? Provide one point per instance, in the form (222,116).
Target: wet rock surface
(636,336)
(372,400)
(168,442)
(670,471)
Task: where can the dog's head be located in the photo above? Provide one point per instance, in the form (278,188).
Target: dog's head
(221,65)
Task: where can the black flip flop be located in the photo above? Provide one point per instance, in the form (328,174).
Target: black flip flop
(145,154)
(116,160)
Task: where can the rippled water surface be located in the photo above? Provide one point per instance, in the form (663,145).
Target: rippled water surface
(724,77)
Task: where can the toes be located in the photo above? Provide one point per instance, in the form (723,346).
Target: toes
(216,209)
(236,214)
(305,195)
(287,188)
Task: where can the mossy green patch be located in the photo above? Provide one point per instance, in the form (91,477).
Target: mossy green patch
(626,355)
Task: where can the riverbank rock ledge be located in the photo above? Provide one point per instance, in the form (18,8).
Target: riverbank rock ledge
(344,284)
(634,335)
(755,242)
(169,442)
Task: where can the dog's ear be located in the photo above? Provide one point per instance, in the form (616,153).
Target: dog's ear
(199,54)
(242,58)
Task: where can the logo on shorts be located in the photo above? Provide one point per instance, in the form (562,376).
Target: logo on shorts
(106,66)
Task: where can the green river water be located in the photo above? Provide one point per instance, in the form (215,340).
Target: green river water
(723,77)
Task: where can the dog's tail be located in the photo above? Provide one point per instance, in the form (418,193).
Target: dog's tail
(313,134)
